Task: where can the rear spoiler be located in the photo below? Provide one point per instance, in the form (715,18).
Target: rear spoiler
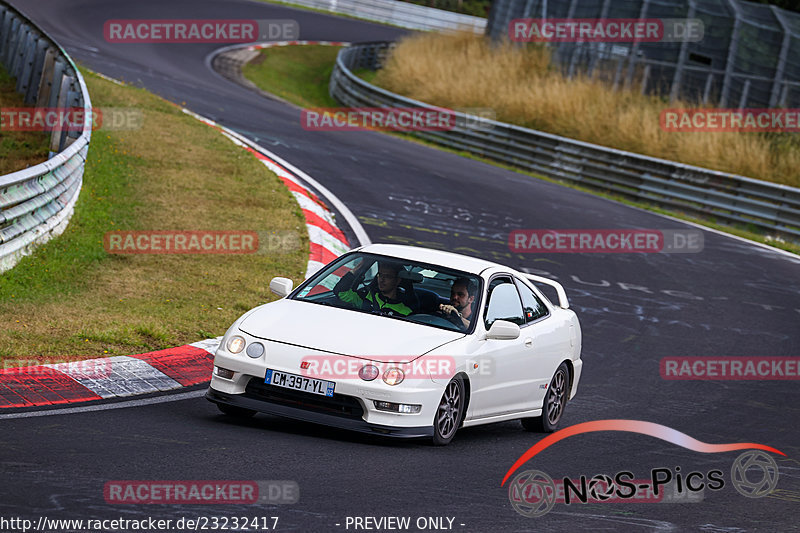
(563,302)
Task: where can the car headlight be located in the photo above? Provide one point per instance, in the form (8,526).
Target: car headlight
(393,376)
(236,344)
(368,372)
(255,350)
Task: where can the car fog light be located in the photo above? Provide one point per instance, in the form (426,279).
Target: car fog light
(393,376)
(368,372)
(223,372)
(397,407)
(236,344)
(255,350)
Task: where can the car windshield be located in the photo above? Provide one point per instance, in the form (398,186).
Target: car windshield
(396,288)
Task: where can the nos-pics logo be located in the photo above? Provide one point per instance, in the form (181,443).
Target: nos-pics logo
(534,493)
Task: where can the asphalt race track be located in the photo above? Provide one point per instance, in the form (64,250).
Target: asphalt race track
(732,299)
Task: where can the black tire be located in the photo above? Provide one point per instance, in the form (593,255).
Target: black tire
(450,412)
(555,401)
(236,412)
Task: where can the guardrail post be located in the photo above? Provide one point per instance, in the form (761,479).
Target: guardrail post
(58,134)
(73,101)
(32,94)
(682,55)
(46,78)
(527,11)
(19,49)
(26,67)
(707,88)
(734,44)
(13,39)
(5,22)
(10,24)
(784,53)
(745,93)
(595,56)
(645,78)
(784,94)
(617,73)
(634,50)
(58,71)
(572,60)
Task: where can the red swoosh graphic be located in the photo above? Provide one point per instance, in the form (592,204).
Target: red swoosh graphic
(634,426)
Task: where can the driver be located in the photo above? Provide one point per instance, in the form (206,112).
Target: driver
(387,297)
(462,296)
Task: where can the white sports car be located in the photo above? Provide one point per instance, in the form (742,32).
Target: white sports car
(404,342)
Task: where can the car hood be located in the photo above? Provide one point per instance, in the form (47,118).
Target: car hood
(343,331)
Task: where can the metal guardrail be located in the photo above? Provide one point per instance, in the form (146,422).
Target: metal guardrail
(37,202)
(397,13)
(727,198)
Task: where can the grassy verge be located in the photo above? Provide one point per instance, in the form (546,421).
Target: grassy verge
(72,298)
(18,149)
(366,75)
(523,87)
(299,74)
(316,70)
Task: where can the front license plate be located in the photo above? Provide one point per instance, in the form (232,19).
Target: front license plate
(302,383)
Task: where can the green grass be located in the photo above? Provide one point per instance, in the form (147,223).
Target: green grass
(306,59)
(18,149)
(71,298)
(366,74)
(57,267)
(298,74)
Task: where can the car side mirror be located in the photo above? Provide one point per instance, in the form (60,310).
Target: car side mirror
(503,330)
(281,286)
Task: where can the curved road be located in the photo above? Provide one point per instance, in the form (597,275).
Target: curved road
(733,299)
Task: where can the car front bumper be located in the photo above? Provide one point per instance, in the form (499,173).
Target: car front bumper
(247,401)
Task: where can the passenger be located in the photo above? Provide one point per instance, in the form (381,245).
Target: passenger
(388,298)
(462,296)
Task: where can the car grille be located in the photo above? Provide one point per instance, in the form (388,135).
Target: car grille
(338,405)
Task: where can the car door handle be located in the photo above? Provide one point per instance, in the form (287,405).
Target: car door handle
(528,342)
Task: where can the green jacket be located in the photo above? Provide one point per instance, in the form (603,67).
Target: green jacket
(368,299)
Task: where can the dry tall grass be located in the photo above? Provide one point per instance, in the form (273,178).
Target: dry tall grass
(464,70)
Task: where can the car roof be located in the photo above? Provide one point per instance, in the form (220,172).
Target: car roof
(455,261)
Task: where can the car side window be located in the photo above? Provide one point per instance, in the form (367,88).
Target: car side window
(532,306)
(503,303)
